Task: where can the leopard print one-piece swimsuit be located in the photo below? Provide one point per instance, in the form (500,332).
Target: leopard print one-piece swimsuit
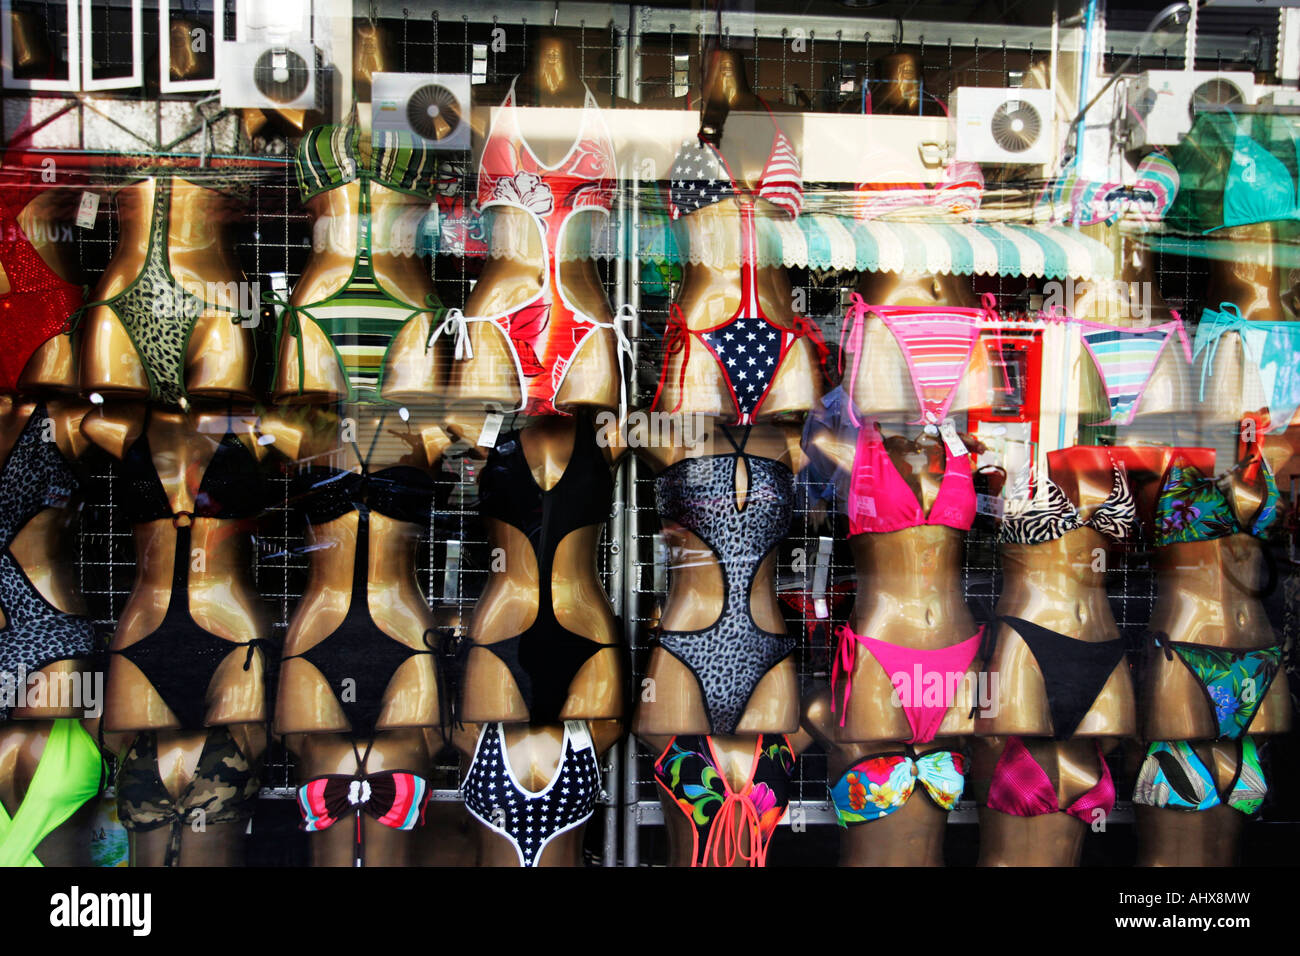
(730,656)
(35,634)
(157,312)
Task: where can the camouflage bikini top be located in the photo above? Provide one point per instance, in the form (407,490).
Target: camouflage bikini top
(223,789)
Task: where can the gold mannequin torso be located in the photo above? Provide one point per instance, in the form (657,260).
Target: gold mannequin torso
(41,547)
(695,599)
(909,593)
(1060,585)
(735,755)
(306,703)
(215,844)
(412,372)
(534,753)
(53,366)
(220,356)
(910,836)
(1202,838)
(1232,387)
(516,270)
(222,597)
(22,744)
(882,384)
(710,293)
(1168,390)
(1052,839)
(509,602)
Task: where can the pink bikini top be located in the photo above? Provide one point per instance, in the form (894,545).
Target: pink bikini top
(1022,788)
(880,499)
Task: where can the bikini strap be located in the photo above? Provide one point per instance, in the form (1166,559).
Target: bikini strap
(677,338)
(739,450)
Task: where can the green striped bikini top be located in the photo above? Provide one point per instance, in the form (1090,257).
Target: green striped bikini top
(362,318)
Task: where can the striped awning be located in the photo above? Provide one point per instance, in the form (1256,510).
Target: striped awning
(825,241)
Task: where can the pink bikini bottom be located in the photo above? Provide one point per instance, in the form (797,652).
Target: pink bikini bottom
(925,681)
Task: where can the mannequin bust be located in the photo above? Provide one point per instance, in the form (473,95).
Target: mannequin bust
(735,761)
(909,593)
(1252,283)
(898,91)
(319,754)
(695,600)
(508,603)
(882,386)
(1208,592)
(368,440)
(214,843)
(53,367)
(1202,838)
(1169,395)
(219,355)
(713,289)
(544,259)
(1059,585)
(913,834)
(22,744)
(41,546)
(534,753)
(1052,839)
(222,598)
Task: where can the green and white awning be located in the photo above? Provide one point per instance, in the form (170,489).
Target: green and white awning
(825,241)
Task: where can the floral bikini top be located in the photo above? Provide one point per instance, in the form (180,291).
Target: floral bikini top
(1192,507)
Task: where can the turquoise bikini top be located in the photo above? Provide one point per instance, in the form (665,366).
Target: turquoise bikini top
(1236,171)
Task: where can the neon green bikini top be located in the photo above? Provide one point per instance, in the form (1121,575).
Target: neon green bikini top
(68,774)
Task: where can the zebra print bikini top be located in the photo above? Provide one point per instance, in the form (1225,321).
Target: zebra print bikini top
(1052,515)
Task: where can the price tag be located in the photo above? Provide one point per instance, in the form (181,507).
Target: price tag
(990,505)
(88,210)
(487,438)
(948,432)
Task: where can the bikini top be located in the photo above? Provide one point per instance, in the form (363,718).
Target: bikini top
(400,492)
(1174,776)
(701,177)
(1192,507)
(332,155)
(1052,515)
(1022,788)
(392,798)
(34,477)
(581,497)
(876,786)
(222,790)
(881,500)
(231,486)
(688,770)
(69,772)
(39,303)
(1236,171)
(511,174)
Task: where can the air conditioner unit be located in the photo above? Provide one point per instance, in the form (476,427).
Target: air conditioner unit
(997,125)
(1165,101)
(271,76)
(431,106)
(1278,96)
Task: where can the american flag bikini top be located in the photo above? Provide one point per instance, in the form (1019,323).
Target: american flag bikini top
(701,177)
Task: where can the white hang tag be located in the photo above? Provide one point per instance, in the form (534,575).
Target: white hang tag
(948,432)
(87,210)
(451,578)
(821,575)
(487,437)
(990,505)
